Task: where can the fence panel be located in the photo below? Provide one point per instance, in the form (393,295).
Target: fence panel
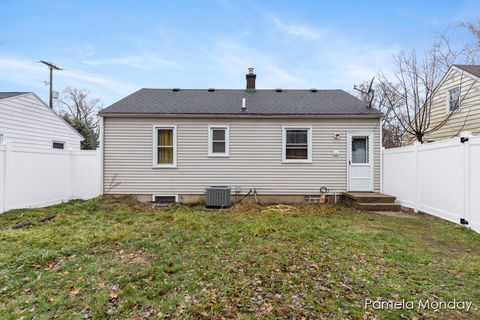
(440,178)
(2,175)
(473,205)
(86,174)
(398,174)
(440,169)
(42,177)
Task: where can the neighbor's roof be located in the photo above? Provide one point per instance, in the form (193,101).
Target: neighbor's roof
(470,68)
(5,95)
(229,102)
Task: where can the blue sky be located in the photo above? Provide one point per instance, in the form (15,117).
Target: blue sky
(112,48)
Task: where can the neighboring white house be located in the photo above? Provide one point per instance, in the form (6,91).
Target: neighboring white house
(40,158)
(286,144)
(25,120)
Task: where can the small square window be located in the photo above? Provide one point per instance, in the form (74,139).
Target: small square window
(58,145)
(218,141)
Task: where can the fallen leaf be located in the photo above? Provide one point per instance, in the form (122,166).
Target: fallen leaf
(73,293)
(113,295)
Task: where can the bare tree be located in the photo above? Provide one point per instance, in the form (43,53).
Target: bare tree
(406,96)
(414,84)
(79,109)
(376,97)
(447,53)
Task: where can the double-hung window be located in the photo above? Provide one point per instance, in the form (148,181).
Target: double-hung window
(453,99)
(297,144)
(165,147)
(218,141)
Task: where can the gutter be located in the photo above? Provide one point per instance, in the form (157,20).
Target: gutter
(241,116)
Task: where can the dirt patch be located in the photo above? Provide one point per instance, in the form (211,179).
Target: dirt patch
(398,214)
(246,206)
(55,265)
(443,245)
(141,257)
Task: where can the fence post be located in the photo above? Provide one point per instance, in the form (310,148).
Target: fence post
(6,157)
(382,150)
(416,205)
(71,164)
(465,136)
(3,173)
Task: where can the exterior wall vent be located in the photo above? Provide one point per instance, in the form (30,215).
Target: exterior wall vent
(176,89)
(211,89)
(164,199)
(218,197)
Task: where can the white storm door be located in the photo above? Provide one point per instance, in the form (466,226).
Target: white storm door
(360,161)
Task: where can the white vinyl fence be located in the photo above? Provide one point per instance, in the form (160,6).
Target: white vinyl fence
(440,178)
(41,177)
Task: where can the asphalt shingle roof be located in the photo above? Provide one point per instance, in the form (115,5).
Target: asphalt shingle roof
(4,95)
(470,68)
(229,102)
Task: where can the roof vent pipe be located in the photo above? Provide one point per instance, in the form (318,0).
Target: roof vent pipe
(244,106)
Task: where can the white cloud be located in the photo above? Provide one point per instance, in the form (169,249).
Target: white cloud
(234,58)
(110,84)
(141,61)
(330,59)
(294,30)
(31,74)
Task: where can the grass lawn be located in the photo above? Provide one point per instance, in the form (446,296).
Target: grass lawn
(116,258)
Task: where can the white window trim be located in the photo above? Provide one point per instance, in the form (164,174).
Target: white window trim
(447,101)
(155,163)
(284,144)
(226,154)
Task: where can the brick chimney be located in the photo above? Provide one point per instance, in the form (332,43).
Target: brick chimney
(251,76)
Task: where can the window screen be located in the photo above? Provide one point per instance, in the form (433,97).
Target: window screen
(218,140)
(296,147)
(165,146)
(360,150)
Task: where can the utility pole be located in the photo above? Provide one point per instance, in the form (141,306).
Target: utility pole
(52,67)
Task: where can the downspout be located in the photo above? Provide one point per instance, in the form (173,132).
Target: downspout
(101,153)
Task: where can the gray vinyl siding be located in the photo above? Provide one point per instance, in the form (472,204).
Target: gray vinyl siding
(255,159)
(27,121)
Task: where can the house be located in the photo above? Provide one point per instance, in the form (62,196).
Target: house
(25,120)
(284,144)
(455,106)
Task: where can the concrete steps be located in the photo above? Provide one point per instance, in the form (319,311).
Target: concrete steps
(371,201)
